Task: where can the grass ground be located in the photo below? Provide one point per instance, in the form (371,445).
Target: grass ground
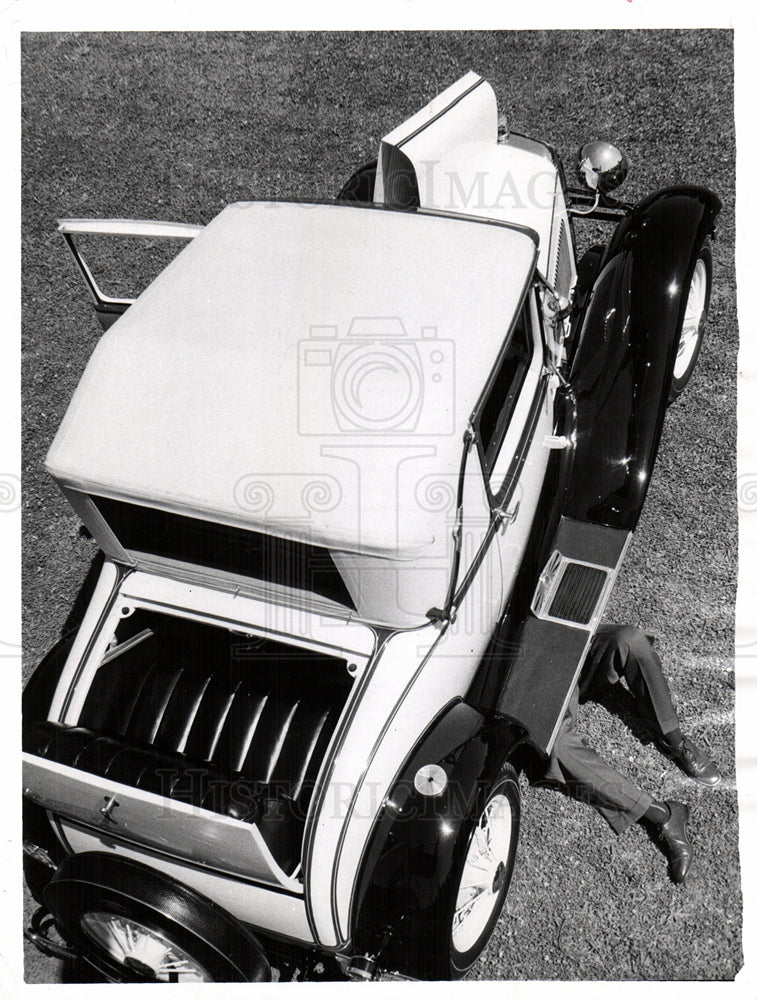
(175,127)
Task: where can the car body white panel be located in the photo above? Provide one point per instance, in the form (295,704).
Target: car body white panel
(281,913)
(373,702)
(452,148)
(353,640)
(216,396)
(104,593)
(154,821)
(314,631)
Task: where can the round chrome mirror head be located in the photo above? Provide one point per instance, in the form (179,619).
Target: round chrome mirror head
(601,166)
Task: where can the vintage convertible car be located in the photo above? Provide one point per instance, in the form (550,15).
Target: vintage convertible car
(363,474)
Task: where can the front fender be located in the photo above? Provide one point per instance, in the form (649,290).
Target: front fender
(627,339)
(412,849)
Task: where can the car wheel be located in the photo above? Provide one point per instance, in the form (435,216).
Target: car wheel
(136,925)
(479,884)
(694,318)
(485,873)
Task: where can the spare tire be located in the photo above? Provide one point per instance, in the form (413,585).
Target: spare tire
(136,925)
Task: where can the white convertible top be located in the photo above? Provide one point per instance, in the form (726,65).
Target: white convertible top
(291,365)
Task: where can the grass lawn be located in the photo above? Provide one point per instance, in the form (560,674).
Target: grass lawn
(175,126)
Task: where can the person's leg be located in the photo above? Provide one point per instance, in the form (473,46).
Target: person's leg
(574,764)
(593,780)
(624,651)
(615,797)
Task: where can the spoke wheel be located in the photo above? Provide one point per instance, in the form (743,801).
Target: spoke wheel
(134,924)
(483,874)
(462,895)
(694,319)
(485,867)
(141,949)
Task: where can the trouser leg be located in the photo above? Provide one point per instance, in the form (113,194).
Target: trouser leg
(624,651)
(576,765)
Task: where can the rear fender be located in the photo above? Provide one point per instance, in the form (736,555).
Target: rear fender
(42,849)
(627,340)
(411,853)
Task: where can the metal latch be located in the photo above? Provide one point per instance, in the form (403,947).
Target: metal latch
(558,442)
(504,518)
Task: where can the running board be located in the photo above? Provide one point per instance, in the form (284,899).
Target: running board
(542,669)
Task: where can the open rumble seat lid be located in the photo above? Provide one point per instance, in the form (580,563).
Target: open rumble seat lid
(300,370)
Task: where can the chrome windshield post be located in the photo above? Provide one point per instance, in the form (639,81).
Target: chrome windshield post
(447,614)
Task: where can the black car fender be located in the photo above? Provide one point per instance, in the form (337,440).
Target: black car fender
(627,336)
(410,855)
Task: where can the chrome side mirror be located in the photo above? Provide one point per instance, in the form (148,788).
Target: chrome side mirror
(601,166)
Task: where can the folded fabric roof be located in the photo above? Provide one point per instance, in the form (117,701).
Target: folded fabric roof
(293,351)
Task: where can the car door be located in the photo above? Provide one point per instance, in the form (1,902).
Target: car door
(514,425)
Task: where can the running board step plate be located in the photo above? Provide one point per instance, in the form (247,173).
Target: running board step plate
(541,671)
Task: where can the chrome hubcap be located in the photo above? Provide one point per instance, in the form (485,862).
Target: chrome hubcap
(142,950)
(483,874)
(693,320)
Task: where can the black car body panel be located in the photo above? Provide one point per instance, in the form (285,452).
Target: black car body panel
(627,339)
(407,874)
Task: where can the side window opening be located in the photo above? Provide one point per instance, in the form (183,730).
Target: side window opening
(497,407)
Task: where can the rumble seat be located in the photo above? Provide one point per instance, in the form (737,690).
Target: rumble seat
(243,739)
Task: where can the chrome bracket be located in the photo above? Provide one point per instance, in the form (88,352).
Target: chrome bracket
(504,518)
(111,803)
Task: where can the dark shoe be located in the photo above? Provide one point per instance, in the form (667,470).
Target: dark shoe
(674,837)
(692,761)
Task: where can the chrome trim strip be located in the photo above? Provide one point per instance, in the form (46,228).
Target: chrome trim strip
(488,384)
(123,647)
(440,114)
(98,296)
(251,630)
(130,227)
(510,483)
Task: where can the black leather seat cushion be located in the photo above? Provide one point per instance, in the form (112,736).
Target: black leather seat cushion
(241,739)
